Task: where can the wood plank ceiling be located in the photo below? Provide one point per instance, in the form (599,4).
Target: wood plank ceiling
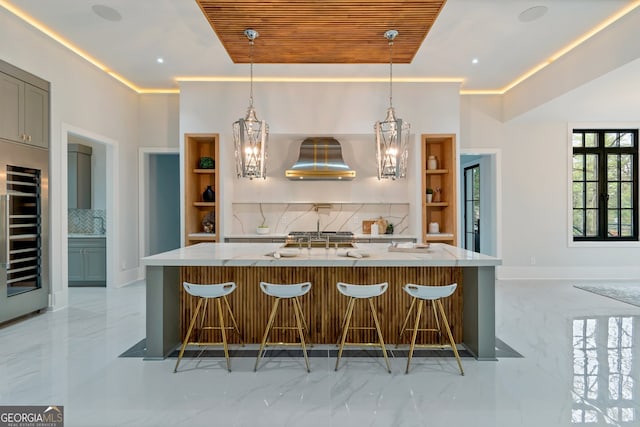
(321,32)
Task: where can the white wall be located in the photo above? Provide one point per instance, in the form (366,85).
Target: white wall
(535,163)
(83,97)
(293,111)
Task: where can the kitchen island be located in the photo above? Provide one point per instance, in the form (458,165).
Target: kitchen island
(471,310)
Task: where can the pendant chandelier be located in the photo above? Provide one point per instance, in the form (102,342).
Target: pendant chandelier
(392,134)
(250,135)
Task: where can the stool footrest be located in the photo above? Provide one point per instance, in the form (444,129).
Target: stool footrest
(362,344)
(287,344)
(215,328)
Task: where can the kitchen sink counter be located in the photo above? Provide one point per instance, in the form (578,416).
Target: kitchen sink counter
(471,309)
(261,255)
(280,237)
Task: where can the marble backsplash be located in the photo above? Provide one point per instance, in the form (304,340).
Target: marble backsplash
(87,221)
(285,217)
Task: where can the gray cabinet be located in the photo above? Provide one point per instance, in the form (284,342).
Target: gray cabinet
(87,261)
(24,107)
(79,176)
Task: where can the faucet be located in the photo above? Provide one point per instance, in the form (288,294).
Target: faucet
(318,239)
(102,229)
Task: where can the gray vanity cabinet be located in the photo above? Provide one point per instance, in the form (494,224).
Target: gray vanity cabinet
(87,261)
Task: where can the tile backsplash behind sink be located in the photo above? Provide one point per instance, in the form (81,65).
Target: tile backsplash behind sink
(87,221)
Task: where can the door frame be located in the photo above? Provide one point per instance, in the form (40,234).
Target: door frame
(143,203)
(111,201)
(492,178)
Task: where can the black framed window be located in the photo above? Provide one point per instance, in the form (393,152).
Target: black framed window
(605,184)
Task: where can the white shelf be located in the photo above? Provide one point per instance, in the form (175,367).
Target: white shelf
(202,235)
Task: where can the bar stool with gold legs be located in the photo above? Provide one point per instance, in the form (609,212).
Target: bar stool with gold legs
(204,293)
(359,292)
(421,293)
(291,293)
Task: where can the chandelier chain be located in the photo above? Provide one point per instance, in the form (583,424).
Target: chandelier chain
(391,73)
(251,73)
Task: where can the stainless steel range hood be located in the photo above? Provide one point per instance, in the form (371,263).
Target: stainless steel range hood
(320,159)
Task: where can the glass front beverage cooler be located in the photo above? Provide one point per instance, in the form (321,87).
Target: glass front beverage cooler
(24,286)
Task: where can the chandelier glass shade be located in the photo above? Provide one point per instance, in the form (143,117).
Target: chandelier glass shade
(392,134)
(250,135)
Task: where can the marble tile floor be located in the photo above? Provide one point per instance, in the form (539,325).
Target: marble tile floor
(580,366)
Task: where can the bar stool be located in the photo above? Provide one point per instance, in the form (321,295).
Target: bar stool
(204,293)
(359,292)
(434,294)
(287,292)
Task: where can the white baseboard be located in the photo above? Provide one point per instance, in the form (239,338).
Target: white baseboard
(128,277)
(568,273)
(58,300)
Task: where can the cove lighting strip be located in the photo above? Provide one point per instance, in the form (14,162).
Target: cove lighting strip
(84,55)
(322,79)
(568,48)
(55,36)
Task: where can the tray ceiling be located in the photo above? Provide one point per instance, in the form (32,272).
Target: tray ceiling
(321,32)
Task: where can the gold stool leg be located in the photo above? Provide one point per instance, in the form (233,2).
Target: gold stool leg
(186,338)
(453,344)
(375,319)
(298,313)
(414,335)
(345,329)
(224,333)
(342,324)
(406,320)
(296,302)
(233,319)
(435,314)
(266,331)
(202,319)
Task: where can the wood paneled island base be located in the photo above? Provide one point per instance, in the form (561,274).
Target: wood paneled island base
(470,310)
(324,306)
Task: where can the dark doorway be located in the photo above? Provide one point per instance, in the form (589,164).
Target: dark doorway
(472,208)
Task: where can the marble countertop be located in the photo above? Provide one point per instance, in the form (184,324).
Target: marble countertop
(284,235)
(261,255)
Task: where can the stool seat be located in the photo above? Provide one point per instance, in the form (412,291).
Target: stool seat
(430,292)
(204,293)
(432,295)
(360,292)
(285,292)
(209,291)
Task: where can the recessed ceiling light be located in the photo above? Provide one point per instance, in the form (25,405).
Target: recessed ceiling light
(160,60)
(474,61)
(533,13)
(106,12)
